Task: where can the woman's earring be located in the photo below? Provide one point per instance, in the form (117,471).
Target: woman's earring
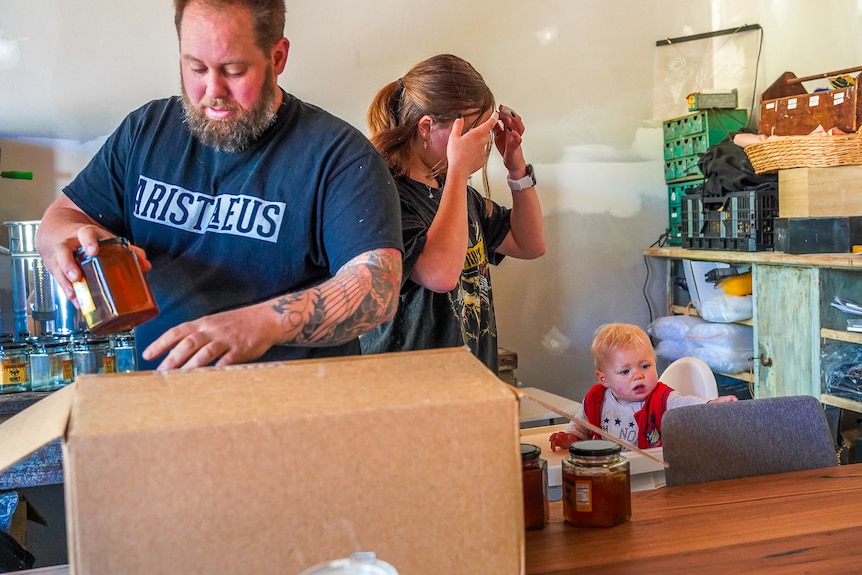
(425,144)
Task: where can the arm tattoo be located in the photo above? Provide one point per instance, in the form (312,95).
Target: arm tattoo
(363,294)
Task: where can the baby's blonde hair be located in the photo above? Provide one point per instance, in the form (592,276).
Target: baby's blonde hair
(612,337)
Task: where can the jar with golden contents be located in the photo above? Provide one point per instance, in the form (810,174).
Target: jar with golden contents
(596,485)
(535,472)
(113,293)
(14,367)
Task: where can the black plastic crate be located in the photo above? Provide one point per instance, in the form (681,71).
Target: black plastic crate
(739,221)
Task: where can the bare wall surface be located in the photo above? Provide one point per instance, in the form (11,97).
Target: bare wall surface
(580,73)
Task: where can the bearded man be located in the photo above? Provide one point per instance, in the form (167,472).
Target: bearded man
(270,229)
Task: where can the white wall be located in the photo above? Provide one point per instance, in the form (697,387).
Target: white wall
(580,73)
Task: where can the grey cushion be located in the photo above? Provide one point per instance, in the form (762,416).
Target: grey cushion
(718,441)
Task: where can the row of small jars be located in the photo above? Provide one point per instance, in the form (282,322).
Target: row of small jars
(49,362)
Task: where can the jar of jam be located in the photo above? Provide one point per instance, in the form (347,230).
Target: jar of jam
(51,363)
(113,293)
(14,367)
(596,485)
(535,472)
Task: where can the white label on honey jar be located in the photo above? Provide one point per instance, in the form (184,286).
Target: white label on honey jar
(583,495)
(82,293)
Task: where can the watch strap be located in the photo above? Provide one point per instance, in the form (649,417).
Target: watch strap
(524,183)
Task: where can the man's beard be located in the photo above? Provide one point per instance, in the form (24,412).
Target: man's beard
(236,133)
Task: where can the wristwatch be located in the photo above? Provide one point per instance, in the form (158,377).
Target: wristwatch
(527,181)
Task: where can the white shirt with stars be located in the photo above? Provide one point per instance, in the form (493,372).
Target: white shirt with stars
(618,416)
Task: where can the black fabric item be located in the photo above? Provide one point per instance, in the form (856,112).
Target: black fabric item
(727,169)
(13,557)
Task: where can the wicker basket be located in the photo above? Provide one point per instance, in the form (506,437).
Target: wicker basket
(806,152)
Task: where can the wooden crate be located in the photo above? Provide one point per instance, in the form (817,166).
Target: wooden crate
(787,109)
(820,192)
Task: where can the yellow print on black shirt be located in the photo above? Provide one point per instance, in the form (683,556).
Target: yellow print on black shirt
(475,255)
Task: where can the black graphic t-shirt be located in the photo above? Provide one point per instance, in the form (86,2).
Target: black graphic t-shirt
(463,316)
(225,230)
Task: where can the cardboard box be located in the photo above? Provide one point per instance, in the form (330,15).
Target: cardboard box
(271,468)
(820,192)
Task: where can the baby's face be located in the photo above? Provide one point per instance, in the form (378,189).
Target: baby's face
(630,373)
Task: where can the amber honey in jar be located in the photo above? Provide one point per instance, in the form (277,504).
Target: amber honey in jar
(14,367)
(596,485)
(535,472)
(113,293)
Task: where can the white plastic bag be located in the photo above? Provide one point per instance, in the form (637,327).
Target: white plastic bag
(673,326)
(726,308)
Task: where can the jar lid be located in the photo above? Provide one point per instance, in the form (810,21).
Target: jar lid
(360,563)
(81,254)
(47,341)
(530,451)
(597,447)
(13,346)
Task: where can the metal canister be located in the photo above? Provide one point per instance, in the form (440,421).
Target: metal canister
(596,485)
(40,307)
(14,367)
(360,563)
(51,365)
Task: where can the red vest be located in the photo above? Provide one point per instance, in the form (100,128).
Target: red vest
(648,418)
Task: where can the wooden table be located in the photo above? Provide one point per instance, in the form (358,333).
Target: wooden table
(799,522)
(45,466)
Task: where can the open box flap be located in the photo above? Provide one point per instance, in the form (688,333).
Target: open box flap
(38,425)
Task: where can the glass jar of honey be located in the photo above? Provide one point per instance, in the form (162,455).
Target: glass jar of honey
(596,485)
(113,293)
(535,472)
(14,367)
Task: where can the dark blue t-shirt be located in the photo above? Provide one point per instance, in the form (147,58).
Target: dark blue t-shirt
(225,230)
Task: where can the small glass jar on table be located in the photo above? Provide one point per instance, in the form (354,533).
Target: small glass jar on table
(14,367)
(596,485)
(535,478)
(51,363)
(92,354)
(125,352)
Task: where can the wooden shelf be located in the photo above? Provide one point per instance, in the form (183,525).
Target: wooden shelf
(841,335)
(742,376)
(842,260)
(842,402)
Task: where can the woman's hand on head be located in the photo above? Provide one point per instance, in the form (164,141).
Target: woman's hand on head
(467,152)
(508,135)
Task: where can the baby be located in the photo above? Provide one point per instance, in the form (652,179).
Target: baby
(629,400)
